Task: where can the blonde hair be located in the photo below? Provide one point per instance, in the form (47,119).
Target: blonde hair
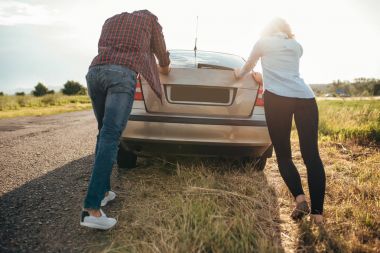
(277,25)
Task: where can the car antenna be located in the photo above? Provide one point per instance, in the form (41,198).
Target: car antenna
(196,39)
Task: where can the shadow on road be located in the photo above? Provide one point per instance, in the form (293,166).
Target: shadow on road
(43,214)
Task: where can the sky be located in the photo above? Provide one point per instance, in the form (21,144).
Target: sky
(52,41)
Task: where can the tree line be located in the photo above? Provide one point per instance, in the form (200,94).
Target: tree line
(70,88)
(358,87)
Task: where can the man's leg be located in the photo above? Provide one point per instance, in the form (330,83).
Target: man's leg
(118,106)
(98,95)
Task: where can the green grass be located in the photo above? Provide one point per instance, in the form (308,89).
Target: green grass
(14,106)
(350,120)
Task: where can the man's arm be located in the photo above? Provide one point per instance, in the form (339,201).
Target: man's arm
(159,48)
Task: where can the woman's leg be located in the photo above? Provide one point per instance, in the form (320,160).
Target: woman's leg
(279,114)
(306,118)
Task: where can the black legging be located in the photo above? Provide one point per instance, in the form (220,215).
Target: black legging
(279,112)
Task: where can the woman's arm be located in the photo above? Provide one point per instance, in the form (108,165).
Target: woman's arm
(250,63)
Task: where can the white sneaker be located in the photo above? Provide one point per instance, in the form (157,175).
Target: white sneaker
(102,222)
(111,196)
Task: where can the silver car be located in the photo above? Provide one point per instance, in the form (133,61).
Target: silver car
(204,111)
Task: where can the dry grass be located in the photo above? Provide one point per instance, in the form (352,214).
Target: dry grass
(201,206)
(218,206)
(352,203)
(353,198)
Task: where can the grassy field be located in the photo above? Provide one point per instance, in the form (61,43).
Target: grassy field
(14,106)
(350,120)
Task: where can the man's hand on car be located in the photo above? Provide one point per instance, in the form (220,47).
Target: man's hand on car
(236,73)
(164,70)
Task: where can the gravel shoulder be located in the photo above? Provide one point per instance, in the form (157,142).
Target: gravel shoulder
(45,165)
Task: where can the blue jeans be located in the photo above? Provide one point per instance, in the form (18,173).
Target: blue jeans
(112,90)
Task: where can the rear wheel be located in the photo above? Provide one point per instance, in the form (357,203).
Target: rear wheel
(258,163)
(126,159)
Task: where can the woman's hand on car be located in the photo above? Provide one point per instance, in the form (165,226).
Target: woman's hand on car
(258,77)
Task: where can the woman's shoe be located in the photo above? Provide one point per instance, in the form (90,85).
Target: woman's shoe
(317,219)
(300,210)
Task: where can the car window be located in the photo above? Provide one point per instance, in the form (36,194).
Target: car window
(187,59)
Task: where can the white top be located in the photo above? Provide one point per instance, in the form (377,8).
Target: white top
(280,62)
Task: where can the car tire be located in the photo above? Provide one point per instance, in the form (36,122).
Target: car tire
(126,159)
(257,163)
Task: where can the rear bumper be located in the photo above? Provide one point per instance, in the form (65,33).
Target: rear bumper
(198,136)
(149,147)
(200,121)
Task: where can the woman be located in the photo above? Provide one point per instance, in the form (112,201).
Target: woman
(286,94)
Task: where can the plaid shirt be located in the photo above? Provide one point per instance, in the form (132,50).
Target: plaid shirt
(132,40)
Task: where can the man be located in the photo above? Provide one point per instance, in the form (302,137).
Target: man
(127,46)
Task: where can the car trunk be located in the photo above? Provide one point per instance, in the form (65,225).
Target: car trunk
(202,92)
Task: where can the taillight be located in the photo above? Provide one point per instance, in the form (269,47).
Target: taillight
(260,98)
(138,94)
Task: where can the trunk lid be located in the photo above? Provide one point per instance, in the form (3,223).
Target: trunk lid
(202,92)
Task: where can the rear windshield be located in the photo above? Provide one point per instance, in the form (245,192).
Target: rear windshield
(187,59)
